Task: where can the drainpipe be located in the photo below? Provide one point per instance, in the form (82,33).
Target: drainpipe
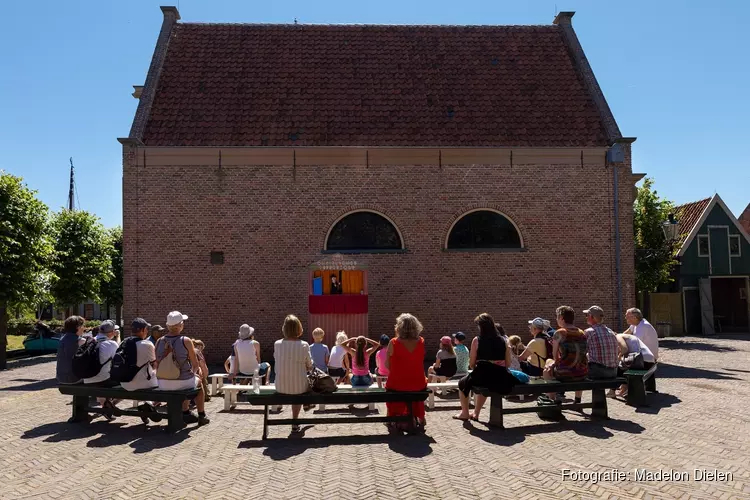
(618,270)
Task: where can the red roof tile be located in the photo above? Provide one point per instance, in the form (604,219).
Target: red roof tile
(688,216)
(745,219)
(360,85)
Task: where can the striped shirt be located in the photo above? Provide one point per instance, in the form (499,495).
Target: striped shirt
(602,345)
(292,363)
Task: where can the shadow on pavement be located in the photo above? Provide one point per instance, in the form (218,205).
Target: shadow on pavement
(657,401)
(283,448)
(36,360)
(105,434)
(32,385)
(675,371)
(600,429)
(676,344)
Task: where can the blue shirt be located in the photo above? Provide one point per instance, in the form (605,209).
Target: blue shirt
(66,350)
(318,352)
(462,358)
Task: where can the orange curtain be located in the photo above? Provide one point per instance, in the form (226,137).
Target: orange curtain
(352,282)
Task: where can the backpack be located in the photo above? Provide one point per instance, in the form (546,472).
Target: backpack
(168,367)
(124,367)
(86,360)
(320,382)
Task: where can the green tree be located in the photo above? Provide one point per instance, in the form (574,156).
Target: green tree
(654,254)
(82,258)
(25,247)
(112,288)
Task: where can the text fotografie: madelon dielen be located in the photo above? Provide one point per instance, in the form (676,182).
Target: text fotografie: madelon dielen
(610,475)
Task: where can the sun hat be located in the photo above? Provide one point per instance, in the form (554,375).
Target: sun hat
(246,331)
(446,340)
(175,318)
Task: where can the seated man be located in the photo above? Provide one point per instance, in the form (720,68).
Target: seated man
(142,374)
(569,349)
(66,349)
(107,349)
(602,346)
(641,328)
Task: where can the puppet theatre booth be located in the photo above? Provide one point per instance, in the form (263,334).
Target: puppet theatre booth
(338,297)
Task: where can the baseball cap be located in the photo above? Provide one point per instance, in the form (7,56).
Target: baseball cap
(446,340)
(539,323)
(175,318)
(459,336)
(140,324)
(107,326)
(157,328)
(595,311)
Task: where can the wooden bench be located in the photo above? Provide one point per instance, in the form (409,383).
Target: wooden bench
(217,381)
(82,393)
(639,383)
(540,386)
(353,395)
(232,390)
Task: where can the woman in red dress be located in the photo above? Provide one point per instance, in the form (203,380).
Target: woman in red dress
(405,362)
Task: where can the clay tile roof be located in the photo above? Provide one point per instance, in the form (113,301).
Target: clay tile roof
(688,216)
(745,219)
(369,85)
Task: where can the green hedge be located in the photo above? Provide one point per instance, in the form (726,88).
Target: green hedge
(25,326)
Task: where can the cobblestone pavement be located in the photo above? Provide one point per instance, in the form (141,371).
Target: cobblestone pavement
(699,419)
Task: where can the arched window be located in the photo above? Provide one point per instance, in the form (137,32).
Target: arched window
(364,231)
(484,229)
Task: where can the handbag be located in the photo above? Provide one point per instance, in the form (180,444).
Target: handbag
(633,361)
(320,382)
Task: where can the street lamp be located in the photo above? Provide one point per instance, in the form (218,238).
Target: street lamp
(671,228)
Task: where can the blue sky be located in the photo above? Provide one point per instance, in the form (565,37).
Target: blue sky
(675,74)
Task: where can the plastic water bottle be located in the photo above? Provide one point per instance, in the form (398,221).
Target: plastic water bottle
(256,381)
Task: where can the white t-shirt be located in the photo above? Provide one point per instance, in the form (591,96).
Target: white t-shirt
(146,376)
(246,358)
(637,345)
(107,349)
(647,333)
(336,359)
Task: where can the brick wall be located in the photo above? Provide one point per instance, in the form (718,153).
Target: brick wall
(271,222)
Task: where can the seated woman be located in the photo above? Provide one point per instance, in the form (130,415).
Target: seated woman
(489,358)
(338,361)
(534,356)
(404,361)
(445,361)
(247,355)
(361,359)
(183,355)
(634,354)
(293,361)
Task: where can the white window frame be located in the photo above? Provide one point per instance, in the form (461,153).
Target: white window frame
(739,245)
(708,240)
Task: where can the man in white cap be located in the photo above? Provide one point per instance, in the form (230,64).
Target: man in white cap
(189,376)
(536,353)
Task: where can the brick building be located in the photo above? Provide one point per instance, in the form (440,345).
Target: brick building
(458,169)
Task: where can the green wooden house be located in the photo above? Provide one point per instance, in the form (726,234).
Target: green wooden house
(713,275)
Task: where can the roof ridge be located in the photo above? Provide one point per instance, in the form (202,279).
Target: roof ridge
(360,25)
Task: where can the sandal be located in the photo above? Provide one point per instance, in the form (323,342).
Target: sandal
(296,429)
(474,418)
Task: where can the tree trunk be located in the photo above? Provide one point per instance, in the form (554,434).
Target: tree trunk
(3,334)
(118,314)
